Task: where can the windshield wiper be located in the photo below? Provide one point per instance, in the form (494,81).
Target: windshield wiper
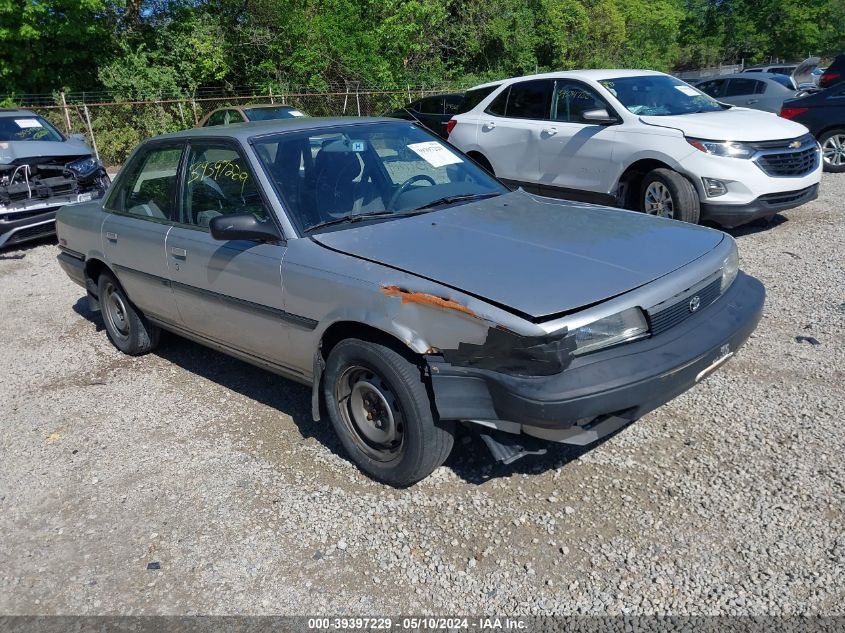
(358,217)
(464,197)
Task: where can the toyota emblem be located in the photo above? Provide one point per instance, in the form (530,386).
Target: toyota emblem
(694,303)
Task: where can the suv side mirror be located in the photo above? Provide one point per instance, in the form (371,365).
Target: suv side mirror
(599,115)
(243,226)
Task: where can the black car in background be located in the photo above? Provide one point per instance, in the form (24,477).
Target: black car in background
(433,112)
(824,114)
(833,74)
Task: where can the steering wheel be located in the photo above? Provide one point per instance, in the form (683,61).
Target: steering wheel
(404,187)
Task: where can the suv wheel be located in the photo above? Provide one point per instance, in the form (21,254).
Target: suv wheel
(668,194)
(381,411)
(126,326)
(833,150)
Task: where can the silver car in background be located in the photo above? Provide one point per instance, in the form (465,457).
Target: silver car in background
(412,291)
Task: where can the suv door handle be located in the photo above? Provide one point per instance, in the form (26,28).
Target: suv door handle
(550,131)
(178,252)
(112,237)
(490,125)
(750,101)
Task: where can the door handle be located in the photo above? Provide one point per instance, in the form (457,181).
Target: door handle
(550,131)
(750,101)
(178,252)
(490,125)
(112,237)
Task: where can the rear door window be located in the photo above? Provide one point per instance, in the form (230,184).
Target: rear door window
(431,105)
(452,104)
(530,99)
(715,87)
(217,118)
(742,87)
(473,97)
(149,186)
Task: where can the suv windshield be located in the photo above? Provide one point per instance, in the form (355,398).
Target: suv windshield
(367,172)
(659,95)
(27,127)
(269,114)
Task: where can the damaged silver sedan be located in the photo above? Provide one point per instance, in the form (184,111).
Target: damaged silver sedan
(40,171)
(410,289)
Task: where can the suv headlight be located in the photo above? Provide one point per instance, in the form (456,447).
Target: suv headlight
(728,149)
(730,268)
(617,328)
(84,166)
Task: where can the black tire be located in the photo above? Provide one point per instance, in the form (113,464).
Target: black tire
(834,150)
(405,442)
(680,201)
(127,328)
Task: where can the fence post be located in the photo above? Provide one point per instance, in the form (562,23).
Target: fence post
(358,100)
(271,95)
(194,108)
(91,131)
(409,93)
(182,114)
(67,114)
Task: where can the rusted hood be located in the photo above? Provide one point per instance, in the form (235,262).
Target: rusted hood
(535,256)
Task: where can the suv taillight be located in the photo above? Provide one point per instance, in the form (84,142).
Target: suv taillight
(450,126)
(791,113)
(828,78)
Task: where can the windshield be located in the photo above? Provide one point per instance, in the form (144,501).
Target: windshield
(334,174)
(659,95)
(27,128)
(269,114)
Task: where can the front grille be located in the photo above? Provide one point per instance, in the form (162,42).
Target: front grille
(669,317)
(790,163)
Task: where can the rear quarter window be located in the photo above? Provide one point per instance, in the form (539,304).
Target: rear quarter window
(473,97)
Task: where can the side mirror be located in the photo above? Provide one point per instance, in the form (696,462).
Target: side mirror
(243,226)
(599,115)
(77,137)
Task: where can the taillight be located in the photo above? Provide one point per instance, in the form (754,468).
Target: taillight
(791,113)
(450,126)
(829,78)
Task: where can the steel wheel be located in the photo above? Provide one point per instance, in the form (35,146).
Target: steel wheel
(658,200)
(115,312)
(833,150)
(371,413)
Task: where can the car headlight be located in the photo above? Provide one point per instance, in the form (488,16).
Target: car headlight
(728,149)
(84,166)
(730,268)
(617,328)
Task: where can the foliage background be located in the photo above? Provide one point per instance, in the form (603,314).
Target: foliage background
(145,48)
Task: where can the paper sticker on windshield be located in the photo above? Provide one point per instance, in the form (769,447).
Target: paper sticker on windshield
(690,92)
(295,113)
(27,123)
(434,154)
(358,146)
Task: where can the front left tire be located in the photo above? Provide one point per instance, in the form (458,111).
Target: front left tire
(379,406)
(668,194)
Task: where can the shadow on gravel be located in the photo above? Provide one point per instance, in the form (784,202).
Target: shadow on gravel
(18,251)
(470,459)
(757,226)
(257,384)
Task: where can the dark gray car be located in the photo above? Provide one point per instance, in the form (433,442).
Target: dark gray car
(411,290)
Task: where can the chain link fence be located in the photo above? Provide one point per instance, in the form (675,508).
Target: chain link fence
(114,128)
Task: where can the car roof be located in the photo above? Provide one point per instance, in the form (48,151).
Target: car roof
(245,131)
(769,76)
(252,106)
(596,74)
(15,112)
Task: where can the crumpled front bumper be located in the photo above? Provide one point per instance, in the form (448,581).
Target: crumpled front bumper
(620,383)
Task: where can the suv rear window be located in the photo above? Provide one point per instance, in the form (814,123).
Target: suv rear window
(473,97)
(530,99)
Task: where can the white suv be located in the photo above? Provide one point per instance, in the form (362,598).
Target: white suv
(641,140)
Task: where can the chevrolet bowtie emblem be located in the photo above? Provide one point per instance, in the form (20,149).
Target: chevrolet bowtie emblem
(795,145)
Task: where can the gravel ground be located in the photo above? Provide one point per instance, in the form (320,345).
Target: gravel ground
(187,482)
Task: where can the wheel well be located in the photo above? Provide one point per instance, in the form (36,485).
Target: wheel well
(93,269)
(479,158)
(341,330)
(830,128)
(631,179)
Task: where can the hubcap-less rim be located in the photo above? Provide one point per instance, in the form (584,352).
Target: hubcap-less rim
(833,150)
(115,311)
(371,413)
(658,200)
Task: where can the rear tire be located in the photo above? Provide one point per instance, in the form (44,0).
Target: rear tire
(381,412)
(833,150)
(668,194)
(127,328)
